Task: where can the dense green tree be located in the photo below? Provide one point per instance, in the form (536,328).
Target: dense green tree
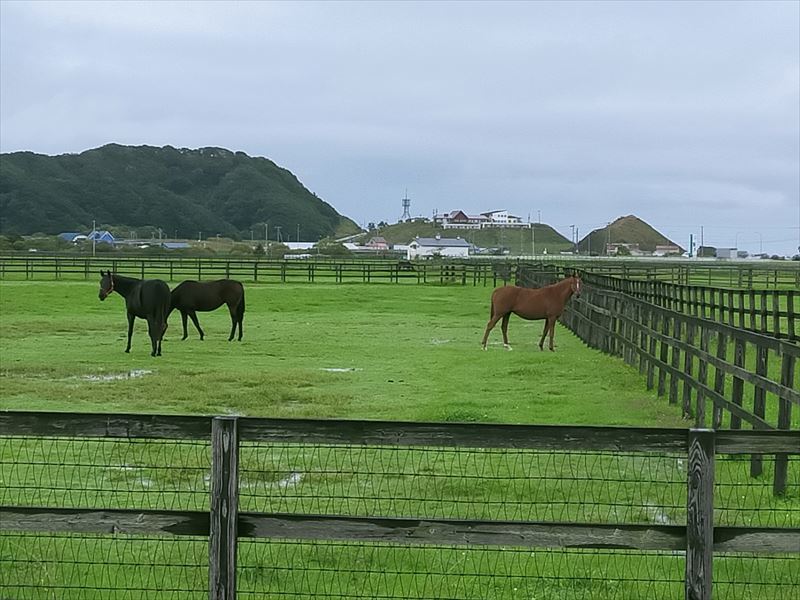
(209,190)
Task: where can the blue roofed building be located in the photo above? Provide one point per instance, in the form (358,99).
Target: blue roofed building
(99,236)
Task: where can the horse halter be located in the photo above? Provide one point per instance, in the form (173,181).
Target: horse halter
(107,293)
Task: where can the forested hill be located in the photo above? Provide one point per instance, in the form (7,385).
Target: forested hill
(209,190)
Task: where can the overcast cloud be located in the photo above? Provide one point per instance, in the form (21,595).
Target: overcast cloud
(685,114)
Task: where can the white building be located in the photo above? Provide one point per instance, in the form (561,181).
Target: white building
(501,218)
(438,246)
(458,219)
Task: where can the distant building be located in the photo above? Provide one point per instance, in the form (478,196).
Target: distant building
(501,218)
(438,246)
(624,249)
(458,219)
(377,243)
(666,250)
(175,245)
(726,253)
(99,236)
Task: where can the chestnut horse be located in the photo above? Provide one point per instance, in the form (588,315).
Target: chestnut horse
(532,304)
(144,298)
(192,296)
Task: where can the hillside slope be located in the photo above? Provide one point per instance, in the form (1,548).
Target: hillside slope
(209,190)
(517,241)
(629,230)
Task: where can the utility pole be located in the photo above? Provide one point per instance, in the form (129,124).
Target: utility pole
(94,236)
(572,237)
(533,239)
(577,235)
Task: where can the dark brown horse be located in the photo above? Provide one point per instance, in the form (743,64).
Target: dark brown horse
(192,296)
(532,304)
(144,298)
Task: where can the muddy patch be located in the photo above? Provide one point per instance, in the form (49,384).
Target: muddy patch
(132,374)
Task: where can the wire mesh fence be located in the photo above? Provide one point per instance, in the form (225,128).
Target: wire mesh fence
(464,483)
(624,483)
(88,566)
(374,570)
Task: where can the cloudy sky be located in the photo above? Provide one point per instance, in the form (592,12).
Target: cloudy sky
(686,114)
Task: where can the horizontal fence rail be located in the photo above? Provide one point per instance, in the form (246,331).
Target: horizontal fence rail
(474,271)
(190,506)
(773,312)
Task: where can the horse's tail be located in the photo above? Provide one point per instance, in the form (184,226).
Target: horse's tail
(240,308)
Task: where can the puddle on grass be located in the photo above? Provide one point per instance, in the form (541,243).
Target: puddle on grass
(132,374)
(293,479)
(340,369)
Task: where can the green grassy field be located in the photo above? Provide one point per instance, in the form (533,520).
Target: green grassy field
(346,351)
(350,351)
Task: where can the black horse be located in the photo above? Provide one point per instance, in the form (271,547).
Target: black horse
(144,298)
(192,296)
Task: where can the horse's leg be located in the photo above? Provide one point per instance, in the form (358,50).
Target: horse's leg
(131,319)
(164,326)
(193,315)
(489,326)
(552,322)
(232,311)
(544,333)
(504,327)
(184,317)
(153,329)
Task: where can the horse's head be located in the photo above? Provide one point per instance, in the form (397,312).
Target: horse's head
(576,285)
(106,284)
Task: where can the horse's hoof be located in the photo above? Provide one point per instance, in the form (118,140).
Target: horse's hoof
(128,351)
(507,347)
(184,337)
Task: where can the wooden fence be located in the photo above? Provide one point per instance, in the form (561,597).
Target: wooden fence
(678,351)
(475,271)
(226,525)
(773,312)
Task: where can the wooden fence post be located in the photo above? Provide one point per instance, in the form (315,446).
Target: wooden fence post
(700,514)
(784,422)
(759,404)
(224,508)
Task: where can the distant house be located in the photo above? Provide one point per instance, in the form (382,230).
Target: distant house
(377,243)
(103,236)
(438,246)
(458,219)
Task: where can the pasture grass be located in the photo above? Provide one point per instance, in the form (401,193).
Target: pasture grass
(345,351)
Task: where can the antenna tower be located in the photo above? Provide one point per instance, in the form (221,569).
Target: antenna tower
(406,205)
